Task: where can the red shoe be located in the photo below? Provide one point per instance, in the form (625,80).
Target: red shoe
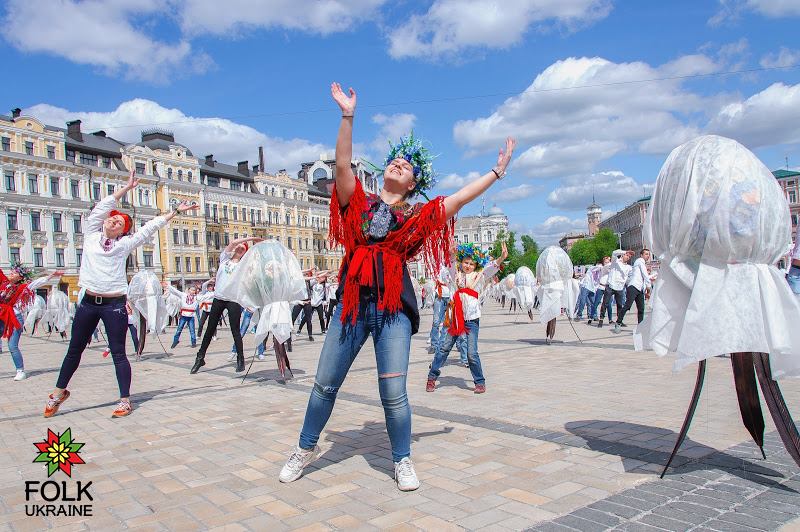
(52,405)
(123,409)
(480,388)
(430,385)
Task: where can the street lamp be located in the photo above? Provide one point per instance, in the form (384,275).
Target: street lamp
(619,239)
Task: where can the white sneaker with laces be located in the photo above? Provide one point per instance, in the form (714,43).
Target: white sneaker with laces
(405,476)
(300,458)
(21,375)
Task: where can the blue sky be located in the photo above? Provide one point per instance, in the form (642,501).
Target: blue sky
(228,79)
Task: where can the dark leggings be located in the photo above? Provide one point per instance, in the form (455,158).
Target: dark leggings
(201,322)
(329,312)
(87,316)
(633,295)
(321,314)
(234,313)
(617,294)
(306,309)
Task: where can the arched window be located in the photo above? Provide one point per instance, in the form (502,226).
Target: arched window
(320,173)
(169,173)
(272,191)
(180,175)
(288,219)
(189,175)
(294,195)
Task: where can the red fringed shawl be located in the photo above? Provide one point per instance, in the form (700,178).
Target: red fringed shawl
(10,295)
(426,233)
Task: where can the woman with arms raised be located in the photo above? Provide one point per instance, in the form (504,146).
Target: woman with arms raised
(379,233)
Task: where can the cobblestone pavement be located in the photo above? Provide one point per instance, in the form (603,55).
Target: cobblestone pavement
(568,436)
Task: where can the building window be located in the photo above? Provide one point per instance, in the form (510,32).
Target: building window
(236,185)
(70,155)
(180,175)
(59,258)
(6,144)
(289,242)
(236,214)
(51,152)
(244,214)
(197,264)
(236,236)
(288,219)
(110,190)
(11,183)
(226,239)
(54,186)
(140,168)
(189,177)
(213,181)
(214,216)
(28,147)
(216,240)
(258,216)
(33,184)
(96,191)
(78,256)
(74,188)
(38,257)
(14,254)
(12,219)
(57,223)
(36,224)
(106,162)
(188,264)
(195,237)
(88,159)
(792,196)
(178,264)
(186,236)
(169,173)
(225,213)
(147,256)
(76,224)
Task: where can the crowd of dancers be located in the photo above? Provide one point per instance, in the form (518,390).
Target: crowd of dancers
(260,287)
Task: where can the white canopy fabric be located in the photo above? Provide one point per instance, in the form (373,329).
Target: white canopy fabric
(719,222)
(145,295)
(556,291)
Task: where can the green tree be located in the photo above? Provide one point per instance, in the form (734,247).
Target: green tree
(583,252)
(605,242)
(529,245)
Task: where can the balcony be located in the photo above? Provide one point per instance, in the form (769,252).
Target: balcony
(78,238)
(60,237)
(39,237)
(16,235)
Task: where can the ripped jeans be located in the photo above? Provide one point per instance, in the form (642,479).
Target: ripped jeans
(391,337)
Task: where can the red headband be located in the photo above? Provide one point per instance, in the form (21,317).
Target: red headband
(125,217)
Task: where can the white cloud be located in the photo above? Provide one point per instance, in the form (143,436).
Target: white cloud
(228,141)
(208,17)
(450,26)
(731,11)
(553,228)
(454,181)
(101,33)
(563,130)
(607,188)
(769,117)
(517,193)
(392,127)
(783,58)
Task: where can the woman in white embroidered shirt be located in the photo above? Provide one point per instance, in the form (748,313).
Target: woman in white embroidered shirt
(106,247)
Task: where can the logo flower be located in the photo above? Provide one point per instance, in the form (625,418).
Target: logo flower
(59,451)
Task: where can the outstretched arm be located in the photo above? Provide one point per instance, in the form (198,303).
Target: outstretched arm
(345,180)
(454,202)
(230,247)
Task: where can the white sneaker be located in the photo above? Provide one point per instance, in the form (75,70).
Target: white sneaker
(232,356)
(261,357)
(21,375)
(405,476)
(299,459)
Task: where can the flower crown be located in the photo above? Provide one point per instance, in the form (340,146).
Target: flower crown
(472,251)
(412,150)
(22,270)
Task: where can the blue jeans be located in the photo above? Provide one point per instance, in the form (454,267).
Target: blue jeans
(247,316)
(598,298)
(793,278)
(586,299)
(439,308)
(391,337)
(471,341)
(13,342)
(183,321)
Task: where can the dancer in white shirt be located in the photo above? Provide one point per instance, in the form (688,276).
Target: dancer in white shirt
(106,246)
(639,281)
(187,312)
(617,275)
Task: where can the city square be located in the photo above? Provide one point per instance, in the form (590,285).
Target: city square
(568,436)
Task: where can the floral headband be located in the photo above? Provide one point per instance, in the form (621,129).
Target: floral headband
(22,270)
(412,150)
(472,251)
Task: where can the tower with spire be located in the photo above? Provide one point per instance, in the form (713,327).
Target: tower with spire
(594,215)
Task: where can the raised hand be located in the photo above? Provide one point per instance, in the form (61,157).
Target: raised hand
(184,207)
(346,104)
(504,157)
(133,182)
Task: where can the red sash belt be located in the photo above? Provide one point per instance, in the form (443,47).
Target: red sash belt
(9,318)
(362,271)
(439,286)
(457,327)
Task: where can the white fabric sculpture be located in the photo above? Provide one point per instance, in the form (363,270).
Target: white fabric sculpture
(145,295)
(524,281)
(417,291)
(556,289)
(268,278)
(719,222)
(56,313)
(35,313)
(172,304)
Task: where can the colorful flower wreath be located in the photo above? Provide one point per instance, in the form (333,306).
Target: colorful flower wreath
(23,271)
(412,150)
(472,251)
